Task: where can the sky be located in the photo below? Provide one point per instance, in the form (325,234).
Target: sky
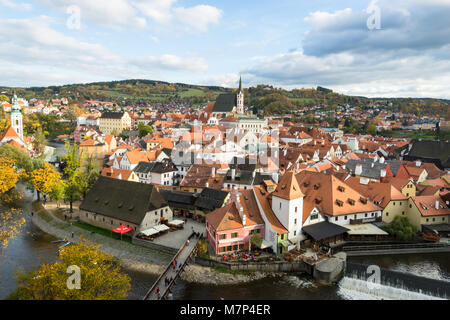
(372,48)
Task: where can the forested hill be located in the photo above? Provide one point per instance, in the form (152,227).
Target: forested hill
(263,97)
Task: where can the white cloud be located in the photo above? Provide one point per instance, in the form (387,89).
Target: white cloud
(229,80)
(111,13)
(198,17)
(159,11)
(172,63)
(35,44)
(16,5)
(408,56)
(123,13)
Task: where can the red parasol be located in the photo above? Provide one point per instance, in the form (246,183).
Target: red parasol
(122,229)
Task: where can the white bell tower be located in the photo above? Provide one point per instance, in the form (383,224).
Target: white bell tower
(240,99)
(16,118)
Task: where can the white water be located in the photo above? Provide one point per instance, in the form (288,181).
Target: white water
(298,282)
(356,289)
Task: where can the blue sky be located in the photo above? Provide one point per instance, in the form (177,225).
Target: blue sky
(285,43)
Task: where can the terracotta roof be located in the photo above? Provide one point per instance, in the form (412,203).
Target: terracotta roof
(115,173)
(9,133)
(250,207)
(288,187)
(331,195)
(135,156)
(108,138)
(263,198)
(225,218)
(88,142)
(380,192)
(16,144)
(427,206)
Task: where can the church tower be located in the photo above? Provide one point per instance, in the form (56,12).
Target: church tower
(240,99)
(16,118)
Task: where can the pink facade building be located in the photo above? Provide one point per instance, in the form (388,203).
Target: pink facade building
(231,227)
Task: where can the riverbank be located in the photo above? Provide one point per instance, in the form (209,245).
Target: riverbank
(135,258)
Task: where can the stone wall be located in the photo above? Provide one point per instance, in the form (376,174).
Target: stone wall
(275,266)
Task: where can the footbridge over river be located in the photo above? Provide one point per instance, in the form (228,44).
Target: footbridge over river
(181,258)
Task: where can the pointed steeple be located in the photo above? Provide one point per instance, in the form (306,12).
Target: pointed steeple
(288,188)
(240,84)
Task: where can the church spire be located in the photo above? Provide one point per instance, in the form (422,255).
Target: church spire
(240,84)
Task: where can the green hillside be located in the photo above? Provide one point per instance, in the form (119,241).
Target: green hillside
(263,98)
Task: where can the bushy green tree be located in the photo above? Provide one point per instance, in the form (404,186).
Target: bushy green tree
(144,129)
(401,228)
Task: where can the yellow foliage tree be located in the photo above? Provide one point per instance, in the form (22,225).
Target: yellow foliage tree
(10,220)
(45,179)
(8,174)
(100,277)
(4,124)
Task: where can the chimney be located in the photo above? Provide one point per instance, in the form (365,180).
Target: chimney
(213,173)
(207,184)
(437,204)
(418,163)
(244,219)
(382,173)
(358,169)
(233,174)
(253,173)
(382,160)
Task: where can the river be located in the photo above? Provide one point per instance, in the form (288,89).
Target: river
(33,247)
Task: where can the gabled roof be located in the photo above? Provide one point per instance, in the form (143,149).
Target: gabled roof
(225,102)
(124,200)
(143,167)
(225,218)
(427,206)
(112,115)
(9,133)
(263,198)
(332,196)
(288,188)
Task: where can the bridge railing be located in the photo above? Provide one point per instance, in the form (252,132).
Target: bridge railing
(167,268)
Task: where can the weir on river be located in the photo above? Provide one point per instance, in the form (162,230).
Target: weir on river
(394,284)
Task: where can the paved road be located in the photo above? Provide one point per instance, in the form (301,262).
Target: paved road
(181,259)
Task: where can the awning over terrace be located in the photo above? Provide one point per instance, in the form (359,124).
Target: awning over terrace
(150,232)
(176,222)
(161,227)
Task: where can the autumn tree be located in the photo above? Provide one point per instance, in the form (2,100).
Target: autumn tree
(88,175)
(101,277)
(10,218)
(72,161)
(45,179)
(4,124)
(4,98)
(256,240)
(8,174)
(39,141)
(144,129)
